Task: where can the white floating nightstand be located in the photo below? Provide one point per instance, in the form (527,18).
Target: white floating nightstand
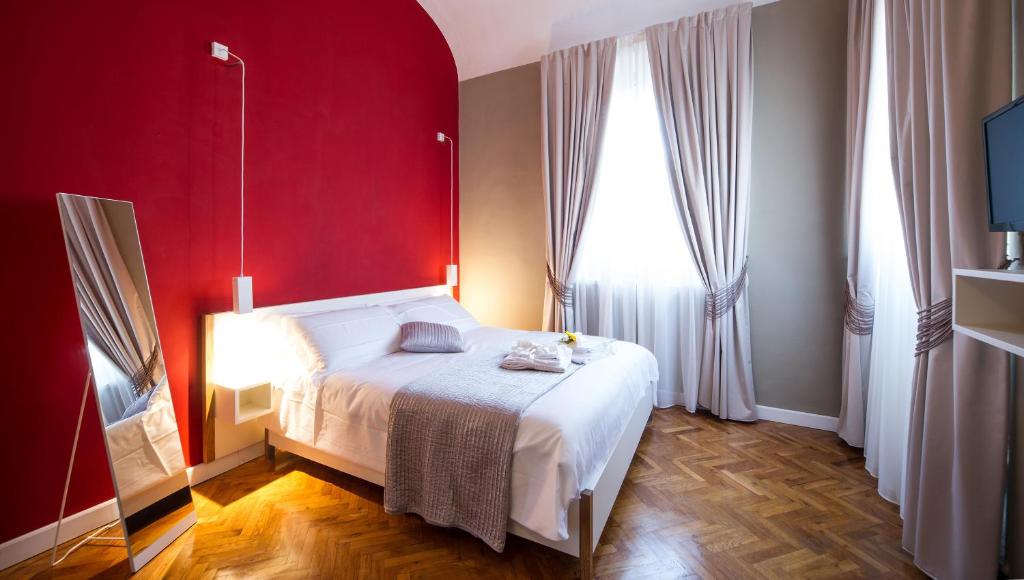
(988,305)
(239,405)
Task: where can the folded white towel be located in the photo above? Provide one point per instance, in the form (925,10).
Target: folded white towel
(526,354)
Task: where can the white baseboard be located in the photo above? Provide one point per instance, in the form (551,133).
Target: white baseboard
(204,471)
(38,541)
(823,422)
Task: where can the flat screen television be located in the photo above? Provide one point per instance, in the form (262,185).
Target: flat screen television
(1004,155)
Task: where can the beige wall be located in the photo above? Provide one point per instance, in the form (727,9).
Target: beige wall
(796,226)
(797,238)
(501,235)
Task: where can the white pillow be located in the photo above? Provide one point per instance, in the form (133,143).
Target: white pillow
(350,337)
(437,309)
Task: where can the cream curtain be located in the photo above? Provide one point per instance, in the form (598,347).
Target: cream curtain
(703,80)
(114,316)
(860,300)
(575,88)
(948,63)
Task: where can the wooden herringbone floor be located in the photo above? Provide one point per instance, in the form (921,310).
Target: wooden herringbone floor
(704,498)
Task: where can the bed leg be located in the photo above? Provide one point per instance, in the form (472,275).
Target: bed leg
(587,534)
(269,451)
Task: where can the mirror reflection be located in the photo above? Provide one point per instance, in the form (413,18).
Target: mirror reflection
(129,378)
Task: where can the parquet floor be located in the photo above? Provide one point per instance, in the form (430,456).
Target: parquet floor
(703,499)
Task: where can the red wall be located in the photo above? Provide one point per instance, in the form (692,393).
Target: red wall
(347,190)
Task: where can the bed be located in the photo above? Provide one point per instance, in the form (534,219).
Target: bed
(567,467)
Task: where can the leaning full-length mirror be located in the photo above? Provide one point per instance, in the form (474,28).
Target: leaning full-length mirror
(129,379)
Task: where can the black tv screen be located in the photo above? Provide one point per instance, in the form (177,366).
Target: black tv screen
(1004,152)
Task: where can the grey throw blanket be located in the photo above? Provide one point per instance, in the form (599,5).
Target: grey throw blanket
(450,438)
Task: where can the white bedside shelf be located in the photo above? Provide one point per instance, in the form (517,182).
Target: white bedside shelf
(239,405)
(988,305)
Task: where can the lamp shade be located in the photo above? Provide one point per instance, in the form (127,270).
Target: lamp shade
(241,294)
(452,274)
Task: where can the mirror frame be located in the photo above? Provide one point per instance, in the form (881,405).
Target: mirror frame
(137,558)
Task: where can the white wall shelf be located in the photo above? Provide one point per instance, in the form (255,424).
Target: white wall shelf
(988,305)
(237,405)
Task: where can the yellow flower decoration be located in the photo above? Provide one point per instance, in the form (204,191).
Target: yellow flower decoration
(571,336)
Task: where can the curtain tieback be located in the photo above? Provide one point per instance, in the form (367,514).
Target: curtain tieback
(858,317)
(720,301)
(142,379)
(934,326)
(561,291)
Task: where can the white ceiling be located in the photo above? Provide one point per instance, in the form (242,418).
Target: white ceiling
(486,36)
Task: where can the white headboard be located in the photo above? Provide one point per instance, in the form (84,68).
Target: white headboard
(349,301)
(221,438)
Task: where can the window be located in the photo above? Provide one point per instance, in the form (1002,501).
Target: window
(891,373)
(633,235)
(635,279)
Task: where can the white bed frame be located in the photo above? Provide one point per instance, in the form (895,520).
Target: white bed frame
(588,513)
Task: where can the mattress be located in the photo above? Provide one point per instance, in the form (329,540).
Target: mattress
(565,438)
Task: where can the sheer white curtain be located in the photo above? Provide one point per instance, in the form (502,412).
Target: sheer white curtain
(634,279)
(891,375)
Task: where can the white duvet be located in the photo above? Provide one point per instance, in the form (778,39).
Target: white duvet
(564,441)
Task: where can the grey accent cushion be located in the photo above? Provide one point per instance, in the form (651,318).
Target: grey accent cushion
(138,406)
(430,337)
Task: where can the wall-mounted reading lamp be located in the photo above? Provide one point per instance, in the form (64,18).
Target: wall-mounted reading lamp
(241,285)
(452,269)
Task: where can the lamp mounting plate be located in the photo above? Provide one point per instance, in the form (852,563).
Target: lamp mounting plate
(218,50)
